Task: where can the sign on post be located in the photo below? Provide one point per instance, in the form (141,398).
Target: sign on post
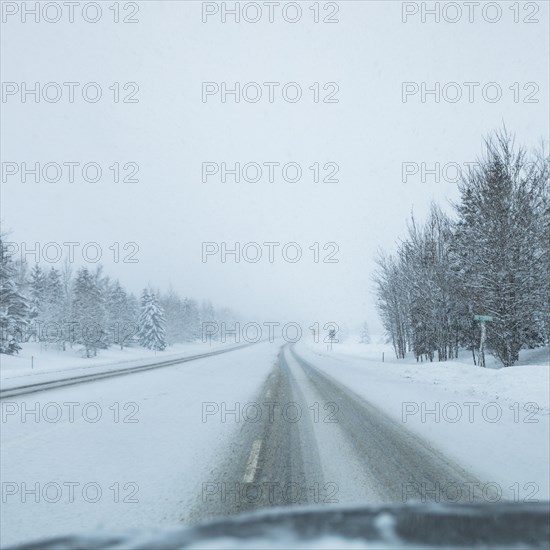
(483,318)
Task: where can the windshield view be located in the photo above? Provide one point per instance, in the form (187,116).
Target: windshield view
(275,274)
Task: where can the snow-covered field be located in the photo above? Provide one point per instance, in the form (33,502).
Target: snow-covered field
(144,459)
(495,422)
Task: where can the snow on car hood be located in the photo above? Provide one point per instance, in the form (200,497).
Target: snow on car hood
(503,525)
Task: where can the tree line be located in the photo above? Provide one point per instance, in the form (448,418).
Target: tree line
(88,309)
(490,257)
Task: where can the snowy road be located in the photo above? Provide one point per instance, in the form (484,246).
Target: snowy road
(317,442)
(122,452)
(256,427)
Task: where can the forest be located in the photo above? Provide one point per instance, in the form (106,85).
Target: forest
(489,257)
(62,308)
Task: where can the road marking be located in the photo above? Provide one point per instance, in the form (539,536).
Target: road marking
(252,463)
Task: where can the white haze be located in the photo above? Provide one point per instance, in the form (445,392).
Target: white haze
(170,132)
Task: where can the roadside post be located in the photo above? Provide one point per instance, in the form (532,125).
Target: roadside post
(332,337)
(482,319)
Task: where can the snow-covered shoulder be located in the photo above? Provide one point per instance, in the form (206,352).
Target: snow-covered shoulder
(490,420)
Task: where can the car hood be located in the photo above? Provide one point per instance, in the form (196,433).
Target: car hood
(503,525)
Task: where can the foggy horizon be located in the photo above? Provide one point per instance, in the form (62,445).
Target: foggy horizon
(170,131)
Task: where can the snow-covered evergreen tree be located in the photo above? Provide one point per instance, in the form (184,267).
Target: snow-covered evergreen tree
(55,313)
(122,322)
(87,314)
(37,288)
(174,313)
(152,323)
(14,307)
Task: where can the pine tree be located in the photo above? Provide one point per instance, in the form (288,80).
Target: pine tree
(87,313)
(55,314)
(131,330)
(14,307)
(174,313)
(37,286)
(121,323)
(151,323)
(67,285)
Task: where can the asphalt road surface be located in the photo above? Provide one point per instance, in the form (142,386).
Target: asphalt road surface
(307,439)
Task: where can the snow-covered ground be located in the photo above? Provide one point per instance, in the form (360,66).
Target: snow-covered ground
(495,422)
(374,350)
(38,363)
(145,458)
(135,451)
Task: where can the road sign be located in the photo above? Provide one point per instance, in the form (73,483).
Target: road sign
(483,318)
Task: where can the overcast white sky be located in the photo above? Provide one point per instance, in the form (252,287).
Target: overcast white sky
(170,132)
